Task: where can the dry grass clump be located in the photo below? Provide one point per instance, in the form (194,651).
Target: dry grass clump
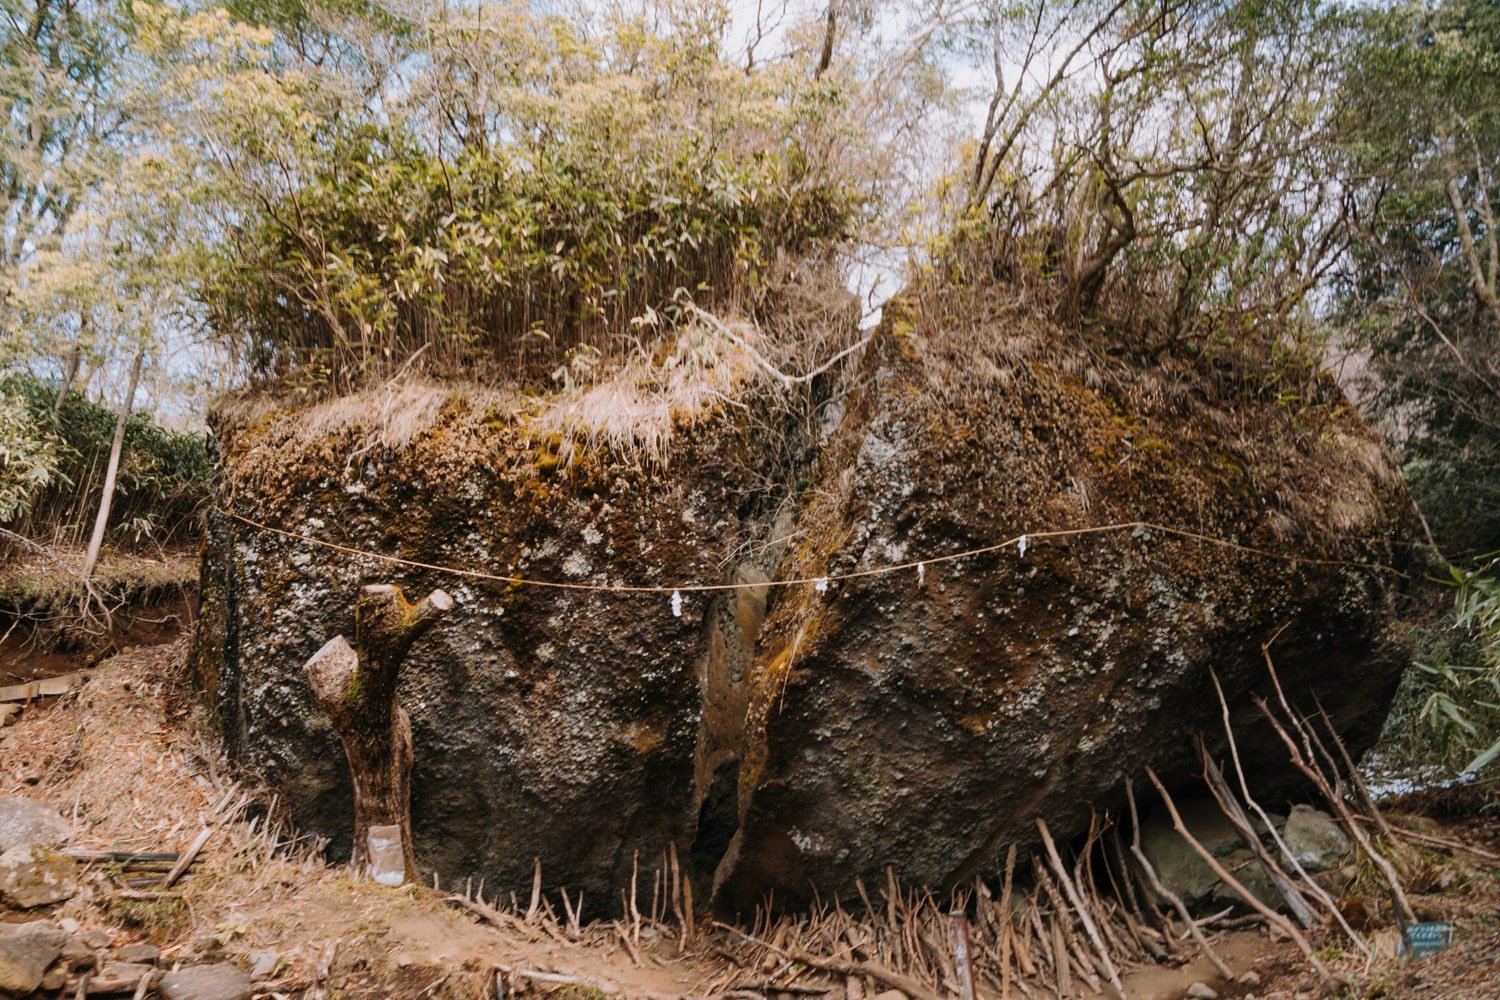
(634,409)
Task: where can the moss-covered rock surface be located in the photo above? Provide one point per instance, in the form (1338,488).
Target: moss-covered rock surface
(786,737)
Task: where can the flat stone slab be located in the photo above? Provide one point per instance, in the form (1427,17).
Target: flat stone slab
(27,821)
(26,950)
(147,953)
(206,982)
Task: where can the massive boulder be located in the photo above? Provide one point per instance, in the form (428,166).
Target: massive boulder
(794,735)
(924,719)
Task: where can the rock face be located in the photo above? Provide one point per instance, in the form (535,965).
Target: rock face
(791,735)
(925,719)
(551,723)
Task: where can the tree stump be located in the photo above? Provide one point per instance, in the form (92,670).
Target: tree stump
(356,686)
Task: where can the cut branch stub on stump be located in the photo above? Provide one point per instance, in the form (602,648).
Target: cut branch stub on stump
(356,686)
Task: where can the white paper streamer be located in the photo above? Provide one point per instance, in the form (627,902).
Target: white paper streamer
(821,585)
(921,573)
(676,604)
(1021,544)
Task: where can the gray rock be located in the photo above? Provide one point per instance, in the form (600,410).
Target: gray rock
(263,963)
(1249,873)
(1180,868)
(32,876)
(95,939)
(27,821)
(1314,839)
(146,953)
(1202,991)
(26,950)
(206,982)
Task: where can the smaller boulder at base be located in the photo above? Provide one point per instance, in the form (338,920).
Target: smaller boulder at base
(27,821)
(1314,839)
(32,876)
(206,982)
(26,950)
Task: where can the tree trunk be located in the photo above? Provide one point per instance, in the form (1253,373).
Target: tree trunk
(107,494)
(356,686)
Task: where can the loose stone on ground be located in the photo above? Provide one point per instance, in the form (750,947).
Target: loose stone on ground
(1314,839)
(26,950)
(32,876)
(26,821)
(206,982)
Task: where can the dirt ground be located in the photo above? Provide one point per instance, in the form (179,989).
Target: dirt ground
(130,760)
(48,628)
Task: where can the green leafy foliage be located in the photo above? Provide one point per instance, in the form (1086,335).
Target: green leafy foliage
(598,179)
(1448,711)
(164,475)
(1420,292)
(28,454)
(1162,169)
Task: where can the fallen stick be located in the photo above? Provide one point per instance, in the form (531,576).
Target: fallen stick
(1240,820)
(184,862)
(1360,788)
(122,857)
(1318,891)
(536,975)
(630,948)
(140,896)
(536,890)
(1308,765)
(911,987)
(1005,927)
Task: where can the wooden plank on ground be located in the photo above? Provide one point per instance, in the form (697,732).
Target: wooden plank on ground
(47,687)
